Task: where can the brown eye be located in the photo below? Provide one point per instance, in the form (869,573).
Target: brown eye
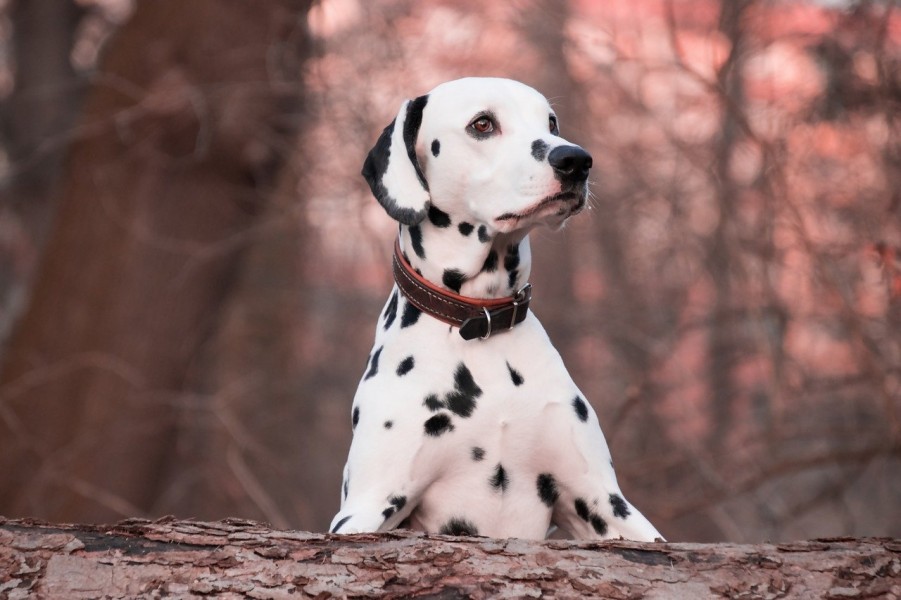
(483,125)
(552,125)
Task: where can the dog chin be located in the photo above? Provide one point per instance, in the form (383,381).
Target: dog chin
(552,211)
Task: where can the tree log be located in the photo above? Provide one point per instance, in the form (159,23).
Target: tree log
(237,558)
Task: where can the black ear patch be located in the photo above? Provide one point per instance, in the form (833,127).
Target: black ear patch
(399,201)
(375,166)
(411,130)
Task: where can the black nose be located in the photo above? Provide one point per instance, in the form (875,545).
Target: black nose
(570,162)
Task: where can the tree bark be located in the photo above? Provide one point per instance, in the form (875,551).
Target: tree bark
(236,558)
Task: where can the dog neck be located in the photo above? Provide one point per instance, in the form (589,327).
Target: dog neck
(471,260)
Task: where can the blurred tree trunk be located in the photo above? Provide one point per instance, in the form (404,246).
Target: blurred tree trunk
(226,464)
(38,112)
(43,103)
(182,140)
(724,348)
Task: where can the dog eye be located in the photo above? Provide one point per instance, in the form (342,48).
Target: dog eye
(552,125)
(483,125)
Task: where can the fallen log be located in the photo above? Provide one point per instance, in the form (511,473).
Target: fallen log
(237,558)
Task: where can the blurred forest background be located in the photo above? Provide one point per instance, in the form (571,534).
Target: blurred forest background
(191,266)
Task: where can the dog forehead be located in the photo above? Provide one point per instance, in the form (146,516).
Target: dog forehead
(464,98)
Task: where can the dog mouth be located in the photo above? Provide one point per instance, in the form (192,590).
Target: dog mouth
(567,204)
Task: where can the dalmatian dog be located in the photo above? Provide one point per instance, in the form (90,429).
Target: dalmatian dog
(486,435)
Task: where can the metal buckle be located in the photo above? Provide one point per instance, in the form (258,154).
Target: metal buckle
(470,327)
(524,294)
(488,317)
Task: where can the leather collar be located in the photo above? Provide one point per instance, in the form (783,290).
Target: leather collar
(476,317)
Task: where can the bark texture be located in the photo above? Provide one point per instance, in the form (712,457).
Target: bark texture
(234,558)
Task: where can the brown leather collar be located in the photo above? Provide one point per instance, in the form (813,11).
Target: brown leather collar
(476,317)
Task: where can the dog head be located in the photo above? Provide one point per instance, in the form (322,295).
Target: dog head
(485,148)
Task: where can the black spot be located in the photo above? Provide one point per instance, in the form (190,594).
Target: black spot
(356,416)
(397,503)
(453,279)
(465,228)
(410,316)
(405,366)
(464,382)
(373,364)
(500,480)
(490,265)
(389,424)
(438,424)
(483,234)
(539,150)
(515,376)
(460,404)
(547,489)
(458,526)
(511,263)
(462,400)
(581,409)
(477,453)
(390,310)
(620,508)
(511,260)
(338,525)
(433,403)
(345,487)
(582,509)
(436,147)
(438,217)
(598,524)
(511,280)
(416,240)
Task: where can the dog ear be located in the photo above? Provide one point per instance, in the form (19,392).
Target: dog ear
(392,169)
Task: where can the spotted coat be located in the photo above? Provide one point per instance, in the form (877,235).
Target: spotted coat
(481,437)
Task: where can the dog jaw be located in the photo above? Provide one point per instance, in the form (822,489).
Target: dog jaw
(552,211)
